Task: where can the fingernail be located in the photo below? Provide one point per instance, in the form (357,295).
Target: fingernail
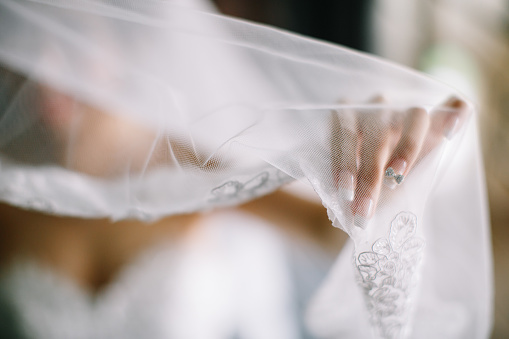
(364,207)
(450,101)
(379,98)
(363,211)
(399,166)
(458,103)
(361,222)
(455,102)
(346,185)
(390,182)
(451,130)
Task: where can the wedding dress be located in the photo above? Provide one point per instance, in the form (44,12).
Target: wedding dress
(193,110)
(190,289)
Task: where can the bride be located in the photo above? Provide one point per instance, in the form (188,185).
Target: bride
(114,115)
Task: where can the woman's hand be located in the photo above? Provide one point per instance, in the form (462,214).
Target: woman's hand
(365,144)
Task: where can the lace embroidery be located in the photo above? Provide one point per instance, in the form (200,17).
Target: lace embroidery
(387,275)
(262,183)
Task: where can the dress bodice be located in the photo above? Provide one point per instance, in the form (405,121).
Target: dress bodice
(234,278)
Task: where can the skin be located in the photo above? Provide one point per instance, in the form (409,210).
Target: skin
(400,145)
(92,252)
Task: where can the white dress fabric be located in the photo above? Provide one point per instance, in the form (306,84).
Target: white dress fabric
(215,284)
(204,111)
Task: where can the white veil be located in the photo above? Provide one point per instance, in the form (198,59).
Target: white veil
(122,109)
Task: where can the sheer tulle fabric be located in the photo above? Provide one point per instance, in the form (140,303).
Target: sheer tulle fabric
(145,109)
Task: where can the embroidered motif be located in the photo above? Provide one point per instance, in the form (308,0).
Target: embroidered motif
(387,275)
(235,191)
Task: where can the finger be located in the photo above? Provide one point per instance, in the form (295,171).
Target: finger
(344,150)
(415,128)
(445,122)
(374,152)
(449,120)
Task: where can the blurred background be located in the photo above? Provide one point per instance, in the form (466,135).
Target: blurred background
(464,43)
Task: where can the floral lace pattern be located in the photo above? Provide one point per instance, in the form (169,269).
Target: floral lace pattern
(234,191)
(387,275)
